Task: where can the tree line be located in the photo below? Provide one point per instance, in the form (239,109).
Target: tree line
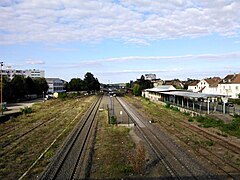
(141,84)
(89,84)
(19,87)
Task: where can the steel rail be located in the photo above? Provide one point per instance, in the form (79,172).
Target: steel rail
(4,145)
(63,167)
(213,154)
(159,154)
(219,141)
(226,144)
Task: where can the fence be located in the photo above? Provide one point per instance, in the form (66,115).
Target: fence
(202,107)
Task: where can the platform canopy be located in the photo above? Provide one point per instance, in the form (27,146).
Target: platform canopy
(192,94)
(161,88)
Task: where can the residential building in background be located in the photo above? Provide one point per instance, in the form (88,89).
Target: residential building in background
(230,86)
(150,77)
(157,82)
(191,85)
(55,85)
(175,82)
(33,73)
(208,85)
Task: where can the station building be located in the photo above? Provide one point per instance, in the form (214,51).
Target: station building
(189,101)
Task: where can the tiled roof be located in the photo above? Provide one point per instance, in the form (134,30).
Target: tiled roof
(213,82)
(193,83)
(231,79)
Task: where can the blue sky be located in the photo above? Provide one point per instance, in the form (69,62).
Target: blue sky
(120,40)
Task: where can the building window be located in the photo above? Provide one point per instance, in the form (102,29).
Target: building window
(229,87)
(237,88)
(223,87)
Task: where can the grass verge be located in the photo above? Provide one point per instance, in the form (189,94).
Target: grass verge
(112,149)
(232,128)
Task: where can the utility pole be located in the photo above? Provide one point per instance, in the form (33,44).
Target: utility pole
(1,89)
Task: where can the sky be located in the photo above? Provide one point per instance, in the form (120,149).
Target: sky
(119,40)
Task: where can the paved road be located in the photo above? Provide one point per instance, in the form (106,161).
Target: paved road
(15,107)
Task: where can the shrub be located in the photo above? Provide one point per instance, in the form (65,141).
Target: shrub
(26,110)
(174,108)
(234,101)
(190,119)
(209,143)
(236,116)
(113,120)
(233,126)
(167,105)
(62,95)
(186,113)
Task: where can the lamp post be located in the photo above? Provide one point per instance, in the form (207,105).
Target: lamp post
(1,89)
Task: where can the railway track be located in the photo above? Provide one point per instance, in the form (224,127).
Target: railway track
(227,168)
(71,161)
(226,144)
(179,164)
(12,140)
(230,170)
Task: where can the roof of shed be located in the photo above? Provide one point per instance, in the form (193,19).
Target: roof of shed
(191,94)
(162,88)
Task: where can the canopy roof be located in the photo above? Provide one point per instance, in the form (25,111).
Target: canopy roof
(192,94)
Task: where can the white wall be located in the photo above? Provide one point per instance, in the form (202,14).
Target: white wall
(193,88)
(231,90)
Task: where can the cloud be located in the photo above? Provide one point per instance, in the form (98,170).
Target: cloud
(131,21)
(134,71)
(34,62)
(226,56)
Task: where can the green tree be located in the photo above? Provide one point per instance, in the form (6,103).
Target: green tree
(128,85)
(76,84)
(136,90)
(66,86)
(92,84)
(18,87)
(97,85)
(7,89)
(41,86)
(143,84)
(30,86)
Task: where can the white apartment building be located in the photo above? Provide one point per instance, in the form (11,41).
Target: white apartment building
(230,86)
(55,85)
(11,73)
(34,73)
